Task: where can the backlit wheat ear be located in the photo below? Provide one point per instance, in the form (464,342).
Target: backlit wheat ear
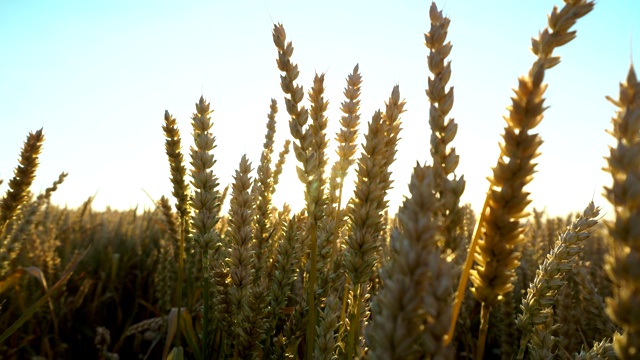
(242,257)
(443,130)
(599,325)
(205,202)
(176,164)
(346,150)
(11,244)
(408,310)
(169,220)
(286,262)
(317,127)
(537,311)
(366,210)
(186,248)
(496,254)
(169,246)
(600,350)
(280,163)
(333,224)
(309,150)
(23,178)
(623,261)
(328,322)
(348,133)
(265,187)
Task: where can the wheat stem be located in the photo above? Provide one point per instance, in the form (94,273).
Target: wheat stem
(464,276)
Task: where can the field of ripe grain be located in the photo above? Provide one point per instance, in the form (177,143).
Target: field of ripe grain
(345,277)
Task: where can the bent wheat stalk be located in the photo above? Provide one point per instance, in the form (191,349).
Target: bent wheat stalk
(506,200)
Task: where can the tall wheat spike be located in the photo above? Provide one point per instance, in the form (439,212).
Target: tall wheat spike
(186,248)
(443,131)
(242,255)
(405,311)
(205,203)
(623,261)
(537,311)
(23,177)
(264,188)
(496,256)
(310,152)
(366,227)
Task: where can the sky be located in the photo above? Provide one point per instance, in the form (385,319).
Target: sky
(98,76)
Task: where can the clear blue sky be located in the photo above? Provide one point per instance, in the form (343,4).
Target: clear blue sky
(98,77)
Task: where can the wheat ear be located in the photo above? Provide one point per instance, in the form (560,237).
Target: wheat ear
(443,131)
(309,150)
(185,244)
(11,244)
(495,253)
(282,156)
(602,350)
(346,139)
(404,309)
(536,307)
(242,254)
(205,202)
(264,188)
(24,175)
(366,210)
(623,261)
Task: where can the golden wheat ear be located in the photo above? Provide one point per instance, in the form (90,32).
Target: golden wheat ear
(23,228)
(173,149)
(24,175)
(206,205)
(623,261)
(263,187)
(366,212)
(443,131)
(536,318)
(495,253)
(412,309)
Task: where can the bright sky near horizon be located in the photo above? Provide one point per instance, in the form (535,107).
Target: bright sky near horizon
(98,77)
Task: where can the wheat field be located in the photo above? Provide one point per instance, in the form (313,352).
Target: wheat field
(345,277)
